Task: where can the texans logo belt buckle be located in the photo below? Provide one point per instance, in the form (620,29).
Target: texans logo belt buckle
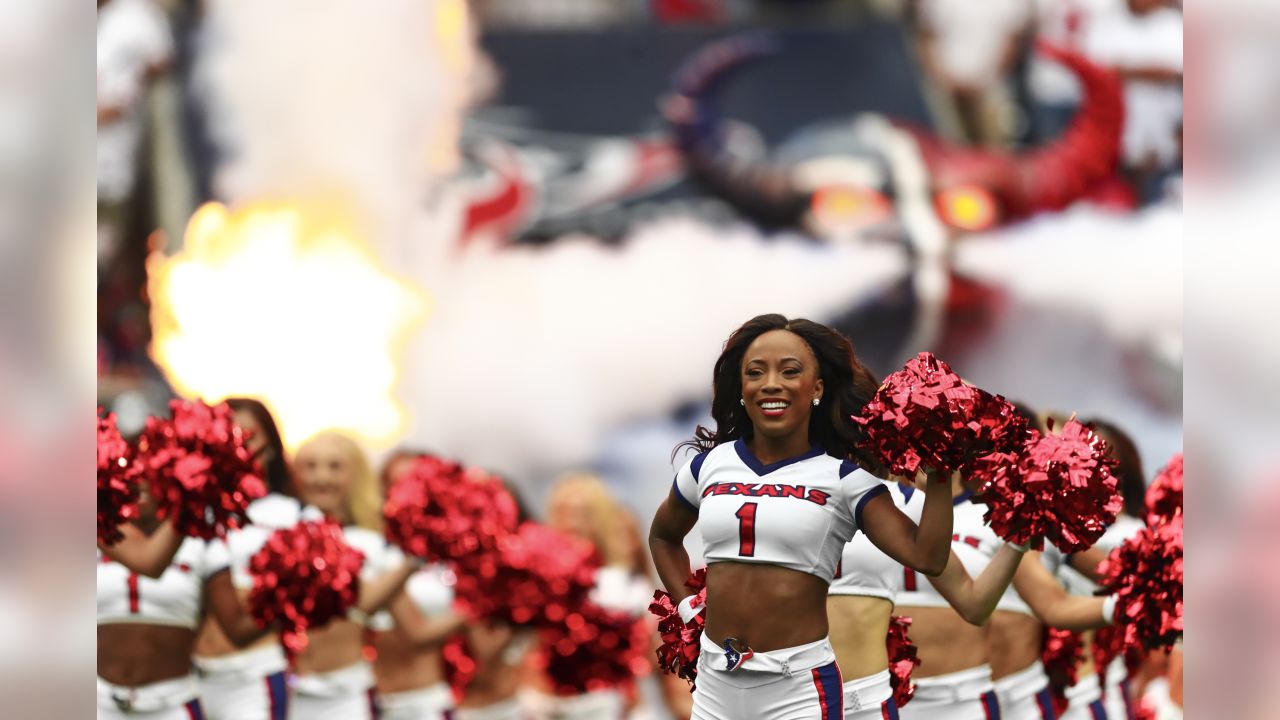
(734,658)
(123,702)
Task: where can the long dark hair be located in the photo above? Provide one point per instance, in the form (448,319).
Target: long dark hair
(1130,476)
(846,382)
(275,467)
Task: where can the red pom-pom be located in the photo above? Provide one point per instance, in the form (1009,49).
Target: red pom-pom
(1108,644)
(1061,651)
(117,489)
(1164,497)
(1145,574)
(1058,487)
(536,576)
(440,511)
(304,577)
(198,468)
(925,416)
(594,649)
(903,659)
(459,665)
(681,641)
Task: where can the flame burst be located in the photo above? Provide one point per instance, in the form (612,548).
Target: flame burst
(285,303)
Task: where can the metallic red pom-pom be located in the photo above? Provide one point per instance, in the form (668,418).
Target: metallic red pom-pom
(594,649)
(535,576)
(117,488)
(198,468)
(304,577)
(1145,574)
(459,665)
(903,659)
(925,416)
(1057,487)
(440,511)
(1061,652)
(1164,497)
(1108,644)
(681,641)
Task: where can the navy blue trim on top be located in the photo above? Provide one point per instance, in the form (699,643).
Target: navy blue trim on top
(962,497)
(760,469)
(675,489)
(847,467)
(695,467)
(907,491)
(866,498)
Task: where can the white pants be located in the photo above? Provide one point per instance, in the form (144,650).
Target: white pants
(1025,695)
(799,683)
(1084,701)
(249,685)
(1118,697)
(963,695)
(505,710)
(345,694)
(595,705)
(870,698)
(431,703)
(167,700)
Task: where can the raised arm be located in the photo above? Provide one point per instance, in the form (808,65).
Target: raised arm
(925,547)
(145,554)
(1051,602)
(976,599)
(230,613)
(671,523)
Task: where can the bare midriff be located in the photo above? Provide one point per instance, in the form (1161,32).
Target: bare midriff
(946,642)
(765,607)
(338,645)
(1013,642)
(858,628)
(135,654)
(400,666)
(499,679)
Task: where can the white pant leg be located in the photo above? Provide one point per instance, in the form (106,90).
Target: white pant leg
(596,705)
(1118,701)
(343,694)
(166,700)
(814,694)
(1025,695)
(964,695)
(248,685)
(190,711)
(870,698)
(430,703)
(505,710)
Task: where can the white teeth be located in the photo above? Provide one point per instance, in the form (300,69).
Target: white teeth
(773,405)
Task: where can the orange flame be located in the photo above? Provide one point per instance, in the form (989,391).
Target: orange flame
(285,303)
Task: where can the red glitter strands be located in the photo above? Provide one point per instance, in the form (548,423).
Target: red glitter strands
(117,489)
(1056,487)
(199,469)
(681,641)
(1145,574)
(303,578)
(903,659)
(1164,497)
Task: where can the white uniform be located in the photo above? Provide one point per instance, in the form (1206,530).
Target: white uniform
(967,694)
(431,590)
(865,570)
(251,684)
(347,693)
(1110,699)
(797,513)
(175,599)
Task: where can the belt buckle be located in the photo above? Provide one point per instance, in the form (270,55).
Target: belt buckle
(734,659)
(124,703)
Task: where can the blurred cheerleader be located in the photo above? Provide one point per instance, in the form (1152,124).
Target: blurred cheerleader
(407,666)
(249,684)
(959,661)
(334,681)
(861,600)
(147,627)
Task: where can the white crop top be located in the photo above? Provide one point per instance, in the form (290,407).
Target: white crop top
(266,515)
(796,513)
(175,598)
(863,568)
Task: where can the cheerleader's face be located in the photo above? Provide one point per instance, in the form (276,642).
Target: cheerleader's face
(780,380)
(326,472)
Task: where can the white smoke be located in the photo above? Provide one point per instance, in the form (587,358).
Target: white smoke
(533,355)
(339,99)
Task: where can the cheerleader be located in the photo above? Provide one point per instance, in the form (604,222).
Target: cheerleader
(777,490)
(862,596)
(407,666)
(334,681)
(954,680)
(501,653)
(249,684)
(147,626)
